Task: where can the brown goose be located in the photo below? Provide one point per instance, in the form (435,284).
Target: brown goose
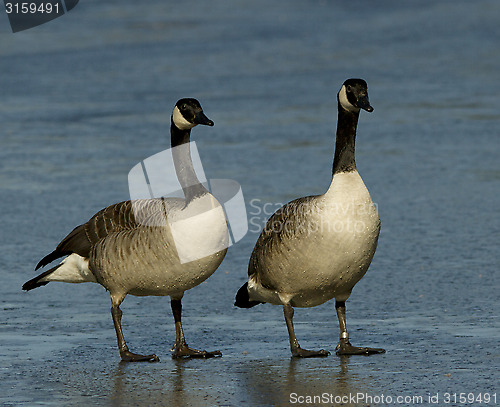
(128,255)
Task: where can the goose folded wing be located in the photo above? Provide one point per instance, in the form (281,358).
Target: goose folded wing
(287,224)
(112,219)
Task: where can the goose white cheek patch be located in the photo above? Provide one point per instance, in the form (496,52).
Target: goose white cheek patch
(193,226)
(180,121)
(344,102)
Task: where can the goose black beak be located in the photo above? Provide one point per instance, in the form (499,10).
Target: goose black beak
(364,103)
(202,119)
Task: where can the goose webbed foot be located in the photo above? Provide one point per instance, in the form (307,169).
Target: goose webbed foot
(297,351)
(181,351)
(125,354)
(128,356)
(345,348)
(304,353)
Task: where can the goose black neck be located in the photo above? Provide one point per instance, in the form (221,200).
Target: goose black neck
(344,160)
(183,163)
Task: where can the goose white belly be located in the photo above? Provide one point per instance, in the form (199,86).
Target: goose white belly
(165,260)
(326,260)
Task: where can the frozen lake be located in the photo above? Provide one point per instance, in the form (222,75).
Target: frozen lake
(89,95)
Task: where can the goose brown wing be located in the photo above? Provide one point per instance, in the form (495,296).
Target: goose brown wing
(287,223)
(110,220)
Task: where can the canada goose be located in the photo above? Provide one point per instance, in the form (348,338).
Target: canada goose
(317,248)
(128,255)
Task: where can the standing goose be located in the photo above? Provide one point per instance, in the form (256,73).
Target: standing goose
(129,247)
(317,248)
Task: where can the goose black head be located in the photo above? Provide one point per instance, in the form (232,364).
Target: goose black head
(188,113)
(353,95)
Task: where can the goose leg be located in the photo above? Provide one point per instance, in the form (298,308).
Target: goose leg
(297,351)
(180,348)
(125,354)
(344,347)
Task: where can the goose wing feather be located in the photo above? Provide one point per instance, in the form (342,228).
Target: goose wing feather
(288,223)
(110,220)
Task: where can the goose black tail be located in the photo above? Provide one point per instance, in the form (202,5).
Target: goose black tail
(51,257)
(36,282)
(243,299)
